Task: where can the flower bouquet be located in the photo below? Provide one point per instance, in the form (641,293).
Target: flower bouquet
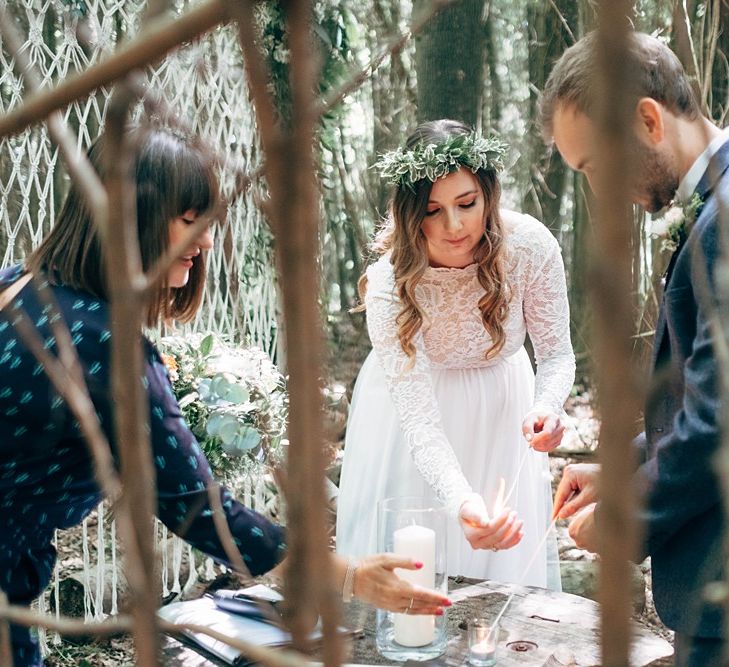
(234,400)
(674,226)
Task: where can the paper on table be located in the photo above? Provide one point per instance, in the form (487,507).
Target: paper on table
(204,612)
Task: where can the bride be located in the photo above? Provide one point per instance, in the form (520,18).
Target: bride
(446,405)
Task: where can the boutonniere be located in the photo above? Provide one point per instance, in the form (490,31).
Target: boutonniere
(675,224)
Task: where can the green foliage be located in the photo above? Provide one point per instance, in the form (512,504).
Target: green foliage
(330,36)
(403,167)
(234,400)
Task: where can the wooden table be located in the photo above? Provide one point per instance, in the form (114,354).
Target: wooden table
(539,627)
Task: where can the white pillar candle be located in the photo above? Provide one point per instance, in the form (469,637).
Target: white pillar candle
(415,542)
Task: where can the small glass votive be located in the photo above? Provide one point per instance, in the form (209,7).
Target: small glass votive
(483,637)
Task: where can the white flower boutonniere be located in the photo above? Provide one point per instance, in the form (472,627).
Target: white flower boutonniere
(675,224)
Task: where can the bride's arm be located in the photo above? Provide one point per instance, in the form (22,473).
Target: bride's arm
(547,315)
(411,389)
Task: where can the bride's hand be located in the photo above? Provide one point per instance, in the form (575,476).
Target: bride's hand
(543,430)
(500,532)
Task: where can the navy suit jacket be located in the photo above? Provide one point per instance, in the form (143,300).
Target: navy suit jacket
(682,515)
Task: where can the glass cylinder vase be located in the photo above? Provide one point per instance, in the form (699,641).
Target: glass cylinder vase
(416,528)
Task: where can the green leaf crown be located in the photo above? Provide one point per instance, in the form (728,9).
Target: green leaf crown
(404,167)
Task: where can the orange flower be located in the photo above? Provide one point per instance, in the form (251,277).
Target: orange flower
(172,367)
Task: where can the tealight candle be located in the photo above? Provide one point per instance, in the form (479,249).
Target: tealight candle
(482,640)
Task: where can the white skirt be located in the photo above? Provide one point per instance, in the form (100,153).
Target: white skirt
(481,411)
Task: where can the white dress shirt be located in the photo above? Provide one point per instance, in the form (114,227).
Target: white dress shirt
(689,182)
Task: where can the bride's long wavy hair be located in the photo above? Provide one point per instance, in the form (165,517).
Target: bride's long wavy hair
(402,235)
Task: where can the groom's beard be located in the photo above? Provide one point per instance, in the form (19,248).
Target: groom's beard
(656,179)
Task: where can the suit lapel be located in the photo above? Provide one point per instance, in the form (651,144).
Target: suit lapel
(718,165)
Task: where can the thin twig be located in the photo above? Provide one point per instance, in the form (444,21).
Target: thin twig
(619,393)
(63,624)
(275,657)
(6,650)
(124,272)
(563,20)
(710,56)
(685,45)
(124,623)
(78,400)
(289,174)
(224,534)
(298,252)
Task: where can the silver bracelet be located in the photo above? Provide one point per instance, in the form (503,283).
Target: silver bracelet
(348,586)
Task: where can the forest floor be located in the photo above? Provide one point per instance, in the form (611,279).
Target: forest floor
(348,348)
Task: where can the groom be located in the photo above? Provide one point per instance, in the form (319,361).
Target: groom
(678,154)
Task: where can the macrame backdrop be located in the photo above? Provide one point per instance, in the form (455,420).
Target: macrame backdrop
(204,83)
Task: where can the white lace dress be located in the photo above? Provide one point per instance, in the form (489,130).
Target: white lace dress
(450,424)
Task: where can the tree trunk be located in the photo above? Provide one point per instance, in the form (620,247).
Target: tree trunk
(493,93)
(552,29)
(720,74)
(580,311)
(392,97)
(450,70)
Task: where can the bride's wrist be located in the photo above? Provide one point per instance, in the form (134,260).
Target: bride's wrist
(470,498)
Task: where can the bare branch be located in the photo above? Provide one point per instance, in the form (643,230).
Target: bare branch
(685,45)
(64,625)
(710,55)
(120,624)
(224,534)
(290,176)
(160,37)
(563,20)
(611,289)
(75,393)
(6,651)
(255,66)
(124,271)
(305,578)
(254,652)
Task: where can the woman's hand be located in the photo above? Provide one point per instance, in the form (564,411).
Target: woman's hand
(501,532)
(542,429)
(576,489)
(582,529)
(376,583)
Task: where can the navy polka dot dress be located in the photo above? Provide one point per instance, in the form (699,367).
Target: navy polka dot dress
(46,478)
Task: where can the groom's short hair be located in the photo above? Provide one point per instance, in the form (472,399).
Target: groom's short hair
(654,69)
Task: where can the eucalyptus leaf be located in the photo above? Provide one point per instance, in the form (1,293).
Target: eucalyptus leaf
(206,345)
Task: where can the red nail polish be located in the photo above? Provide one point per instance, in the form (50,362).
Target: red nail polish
(418,565)
(447,603)
(439,612)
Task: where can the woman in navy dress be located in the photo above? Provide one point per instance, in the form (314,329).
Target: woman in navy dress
(46,475)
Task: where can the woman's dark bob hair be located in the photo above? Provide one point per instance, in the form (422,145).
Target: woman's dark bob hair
(172,176)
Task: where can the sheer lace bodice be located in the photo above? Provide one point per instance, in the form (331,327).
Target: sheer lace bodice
(453,336)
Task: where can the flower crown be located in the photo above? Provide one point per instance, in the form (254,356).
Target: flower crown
(405,167)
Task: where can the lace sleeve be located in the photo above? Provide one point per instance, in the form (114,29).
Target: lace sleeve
(547,315)
(411,389)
